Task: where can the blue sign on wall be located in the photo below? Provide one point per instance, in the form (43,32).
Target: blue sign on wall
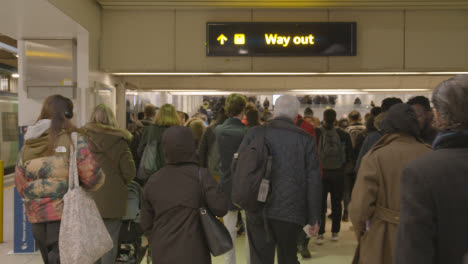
(23,240)
(23,237)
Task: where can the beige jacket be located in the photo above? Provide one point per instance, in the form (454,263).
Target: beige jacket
(376,196)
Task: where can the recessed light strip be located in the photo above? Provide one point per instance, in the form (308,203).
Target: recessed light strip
(282,73)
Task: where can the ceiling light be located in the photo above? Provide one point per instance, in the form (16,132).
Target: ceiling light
(283,73)
(396,90)
(16,55)
(15,75)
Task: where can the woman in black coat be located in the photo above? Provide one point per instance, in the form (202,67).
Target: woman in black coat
(171,200)
(433,224)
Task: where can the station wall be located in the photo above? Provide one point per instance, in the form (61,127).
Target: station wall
(173,40)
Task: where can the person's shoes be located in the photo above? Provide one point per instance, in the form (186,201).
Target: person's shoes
(319,240)
(305,253)
(345,217)
(335,237)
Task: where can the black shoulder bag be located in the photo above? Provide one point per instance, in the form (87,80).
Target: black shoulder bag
(217,237)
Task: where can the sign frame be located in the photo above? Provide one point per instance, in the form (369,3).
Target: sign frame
(353,49)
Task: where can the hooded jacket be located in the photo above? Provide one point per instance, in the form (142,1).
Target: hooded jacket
(42,178)
(171,200)
(376,194)
(109,146)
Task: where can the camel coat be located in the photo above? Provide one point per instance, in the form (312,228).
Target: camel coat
(376,196)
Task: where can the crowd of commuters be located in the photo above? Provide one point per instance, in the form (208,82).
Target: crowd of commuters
(399,175)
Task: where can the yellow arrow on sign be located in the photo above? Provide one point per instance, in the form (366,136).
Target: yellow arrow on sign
(222,39)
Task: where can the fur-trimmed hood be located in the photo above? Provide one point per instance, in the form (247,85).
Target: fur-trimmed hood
(104,129)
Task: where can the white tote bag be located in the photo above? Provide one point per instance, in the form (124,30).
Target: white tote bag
(83,236)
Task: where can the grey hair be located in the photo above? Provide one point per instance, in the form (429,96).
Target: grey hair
(450,99)
(287,106)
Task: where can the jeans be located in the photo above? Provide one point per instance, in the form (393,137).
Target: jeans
(113,227)
(283,236)
(46,236)
(230,221)
(333,183)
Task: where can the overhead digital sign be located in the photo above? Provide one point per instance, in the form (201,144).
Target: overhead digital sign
(281,39)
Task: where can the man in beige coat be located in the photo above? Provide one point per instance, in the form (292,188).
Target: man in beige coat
(375,202)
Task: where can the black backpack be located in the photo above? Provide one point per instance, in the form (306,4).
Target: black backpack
(251,174)
(331,152)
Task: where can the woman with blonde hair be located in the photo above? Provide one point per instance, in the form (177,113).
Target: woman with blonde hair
(110,146)
(42,172)
(197,126)
(166,117)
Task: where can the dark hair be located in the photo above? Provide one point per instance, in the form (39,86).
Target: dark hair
(249,107)
(308,112)
(140,115)
(420,100)
(389,102)
(375,111)
(220,117)
(370,127)
(450,98)
(329,116)
(343,123)
(57,108)
(150,111)
(354,116)
(235,104)
(252,117)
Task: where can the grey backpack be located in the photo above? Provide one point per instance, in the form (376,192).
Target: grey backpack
(331,150)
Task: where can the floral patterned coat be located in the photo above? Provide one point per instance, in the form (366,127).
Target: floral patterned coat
(42,179)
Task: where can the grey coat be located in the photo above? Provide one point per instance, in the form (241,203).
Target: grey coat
(296,185)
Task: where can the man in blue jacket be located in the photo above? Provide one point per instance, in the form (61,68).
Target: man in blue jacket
(296,188)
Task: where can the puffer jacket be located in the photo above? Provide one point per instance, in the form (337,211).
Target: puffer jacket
(42,179)
(110,148)
(296,185)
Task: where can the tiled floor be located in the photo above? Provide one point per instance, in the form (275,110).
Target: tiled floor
(340,252)
(329,253)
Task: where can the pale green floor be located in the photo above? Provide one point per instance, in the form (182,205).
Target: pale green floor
(340,252)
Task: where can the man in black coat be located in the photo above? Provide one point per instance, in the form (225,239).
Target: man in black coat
(229,136)
(295,196)
(333,170)
(433,224)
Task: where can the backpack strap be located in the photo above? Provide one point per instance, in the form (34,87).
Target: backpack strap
(299,122)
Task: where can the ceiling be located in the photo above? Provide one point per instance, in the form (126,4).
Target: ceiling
(381,4)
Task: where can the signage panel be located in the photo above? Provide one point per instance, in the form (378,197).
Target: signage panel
(281,39)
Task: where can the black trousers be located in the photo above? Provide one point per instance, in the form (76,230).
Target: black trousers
(333,183)
(47,235)
(349,180)
(283,237)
